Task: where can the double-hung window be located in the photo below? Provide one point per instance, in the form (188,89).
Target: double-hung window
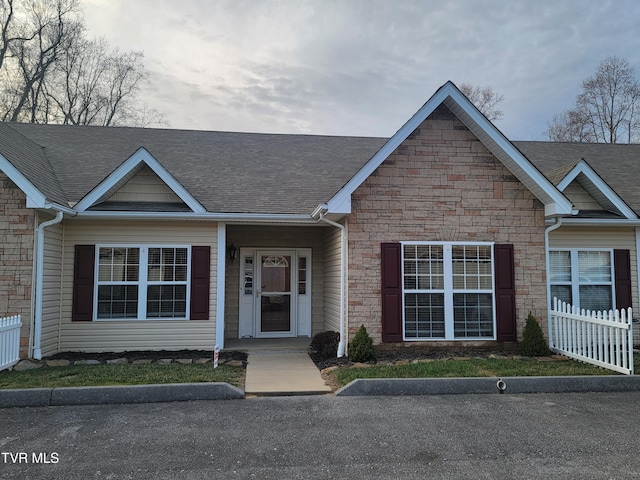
(142,282)
(583,278)
(448,291)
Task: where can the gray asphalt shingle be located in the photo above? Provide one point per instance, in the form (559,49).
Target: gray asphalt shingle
(225,171)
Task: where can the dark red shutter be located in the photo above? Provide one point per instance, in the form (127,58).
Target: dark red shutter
(83,278)
(200,268)
(622,268)
(391,292)
(505,293)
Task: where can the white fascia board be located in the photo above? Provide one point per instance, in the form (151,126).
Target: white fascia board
(140,156)
(601,222)
(582,167)
(479,125)
(35,198)
(256,218)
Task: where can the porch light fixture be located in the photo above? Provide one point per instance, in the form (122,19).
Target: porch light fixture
(231,251)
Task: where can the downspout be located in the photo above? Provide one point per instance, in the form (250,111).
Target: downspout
(343,266)
(39,259)
(547,231)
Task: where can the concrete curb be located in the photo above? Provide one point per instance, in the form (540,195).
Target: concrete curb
(457,386)
(180,392)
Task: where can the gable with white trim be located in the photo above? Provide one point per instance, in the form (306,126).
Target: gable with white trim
(554,201)
(581,180)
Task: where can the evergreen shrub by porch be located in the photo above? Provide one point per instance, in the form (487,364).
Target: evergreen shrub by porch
(533,341)
(325,344)
(361,347)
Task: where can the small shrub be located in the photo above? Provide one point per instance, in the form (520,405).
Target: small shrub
(533,342)
(361,347)
(325,344)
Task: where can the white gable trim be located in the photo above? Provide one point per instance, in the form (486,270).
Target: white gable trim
(35,198)
(555,202)
(597,188)
(121,174)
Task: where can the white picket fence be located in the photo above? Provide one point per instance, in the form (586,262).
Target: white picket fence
(601,338)
(9,341)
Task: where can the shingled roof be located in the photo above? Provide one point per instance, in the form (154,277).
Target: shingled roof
(617,164)
(226,172)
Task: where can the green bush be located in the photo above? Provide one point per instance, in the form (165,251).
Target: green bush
(325,344)
(361,347)
(533,341)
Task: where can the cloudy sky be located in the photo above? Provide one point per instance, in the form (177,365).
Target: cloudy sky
(362,67)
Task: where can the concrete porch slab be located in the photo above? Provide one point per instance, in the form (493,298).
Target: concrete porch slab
(283,374)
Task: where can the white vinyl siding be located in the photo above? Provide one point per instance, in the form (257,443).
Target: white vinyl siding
(580,197)
(332,259)
(135,335)
(53,238)
(145,186)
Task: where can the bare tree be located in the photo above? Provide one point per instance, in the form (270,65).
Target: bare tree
(485,99)
(569,126)
(97,86)
(606,110)
(51,73)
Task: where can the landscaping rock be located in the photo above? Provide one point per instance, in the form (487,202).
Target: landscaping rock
(141,361)
(87,362)
(184,361)
(164,361)
(23,365)
(329,369)
(118,361)
(57,363)
(203,360)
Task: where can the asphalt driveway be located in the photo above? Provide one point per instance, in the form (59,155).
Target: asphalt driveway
(587,436)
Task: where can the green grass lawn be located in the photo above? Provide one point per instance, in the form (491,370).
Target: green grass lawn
(472,367)
(127,374)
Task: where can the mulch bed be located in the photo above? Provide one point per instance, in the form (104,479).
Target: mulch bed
(152,355)
(390,358)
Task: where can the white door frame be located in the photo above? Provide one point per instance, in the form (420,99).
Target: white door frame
(249,296)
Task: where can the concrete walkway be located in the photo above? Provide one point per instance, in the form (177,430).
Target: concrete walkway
(280,367)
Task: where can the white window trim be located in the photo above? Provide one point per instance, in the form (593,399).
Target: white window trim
(448,292)
(142,282)
(575,274)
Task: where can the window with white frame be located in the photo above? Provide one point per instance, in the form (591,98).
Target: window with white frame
(142,282)
(448,291)
(583,278)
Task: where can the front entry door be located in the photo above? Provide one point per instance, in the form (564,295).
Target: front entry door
(276,315)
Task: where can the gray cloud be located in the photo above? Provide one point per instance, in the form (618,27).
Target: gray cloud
(362,67)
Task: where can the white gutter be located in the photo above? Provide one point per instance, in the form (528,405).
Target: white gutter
(547,231)
(256,218)
(39,259)
(343,266)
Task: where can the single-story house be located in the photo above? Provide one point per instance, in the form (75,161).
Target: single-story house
(446,234)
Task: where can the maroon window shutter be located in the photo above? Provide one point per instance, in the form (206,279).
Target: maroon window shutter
(391,292)
(505,293)
(200,268)
(622,269)
(83,278)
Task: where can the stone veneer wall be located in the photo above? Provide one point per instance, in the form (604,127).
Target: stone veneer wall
(16,256)
(442,184)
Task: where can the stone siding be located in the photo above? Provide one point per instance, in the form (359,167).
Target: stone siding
(442,184)
(16,256)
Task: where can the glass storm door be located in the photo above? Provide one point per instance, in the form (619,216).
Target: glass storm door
(275,295)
